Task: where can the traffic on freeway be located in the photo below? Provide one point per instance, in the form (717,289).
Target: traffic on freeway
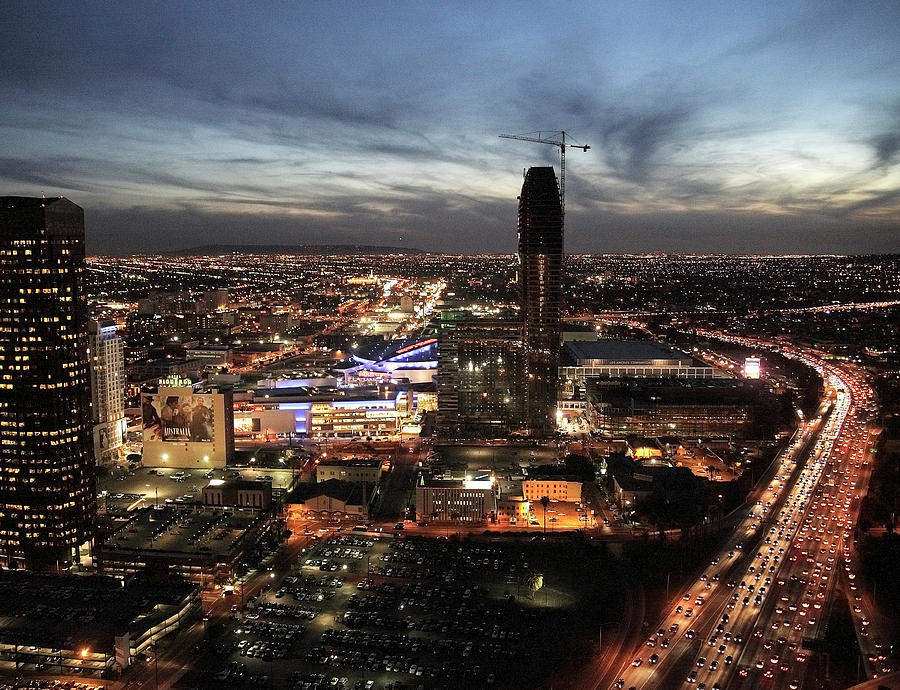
(755,616)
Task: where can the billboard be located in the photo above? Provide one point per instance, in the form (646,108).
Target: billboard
(178,418)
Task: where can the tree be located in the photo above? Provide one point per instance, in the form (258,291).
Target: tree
(580,465)
(533,581)
(455,518)
(545,501)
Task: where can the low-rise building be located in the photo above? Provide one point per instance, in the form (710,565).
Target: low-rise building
(634,482)
(210,355)
(265,423)
(163,368)
(333,498)
(238,493)
(513,509)
(631,489)
(345,419)
(353,470)
(556,488)
(456,500)
(199,545)
(582,359)
(652,418)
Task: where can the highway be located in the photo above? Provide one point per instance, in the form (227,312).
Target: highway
(755,615)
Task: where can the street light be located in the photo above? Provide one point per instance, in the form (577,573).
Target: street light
(155,651)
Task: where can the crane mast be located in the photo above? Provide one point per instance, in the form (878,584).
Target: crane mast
(557,139)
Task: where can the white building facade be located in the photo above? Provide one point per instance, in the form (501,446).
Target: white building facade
(107,390)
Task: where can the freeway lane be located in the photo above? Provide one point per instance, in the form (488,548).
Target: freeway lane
(774,655)
(819,553)
(688,620)
(754,634)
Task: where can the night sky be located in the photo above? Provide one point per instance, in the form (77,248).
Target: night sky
(715,126)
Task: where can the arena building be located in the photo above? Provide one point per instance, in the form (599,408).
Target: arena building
(582,360)
(412,359)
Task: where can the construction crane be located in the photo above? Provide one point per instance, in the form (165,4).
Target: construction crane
(555,139)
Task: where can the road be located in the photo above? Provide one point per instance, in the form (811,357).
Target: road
(751,617)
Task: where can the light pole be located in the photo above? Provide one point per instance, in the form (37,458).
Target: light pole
(84,654)
(545,501)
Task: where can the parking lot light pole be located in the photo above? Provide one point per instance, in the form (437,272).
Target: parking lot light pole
(155,650)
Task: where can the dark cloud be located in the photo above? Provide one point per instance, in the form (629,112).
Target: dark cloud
(886,147)
(483,226)
(345,121)
(632,141)
(888,202)
(59,175)
(420,219)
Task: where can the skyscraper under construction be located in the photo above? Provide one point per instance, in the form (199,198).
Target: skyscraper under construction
(540,285)
(47,492)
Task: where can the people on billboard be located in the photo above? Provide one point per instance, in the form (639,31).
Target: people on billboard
(178,418)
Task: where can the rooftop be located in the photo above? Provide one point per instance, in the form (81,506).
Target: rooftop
(554,478)
(406,350)
(187,531)
(350,493)
(350,462)
(81,612)
(623,351)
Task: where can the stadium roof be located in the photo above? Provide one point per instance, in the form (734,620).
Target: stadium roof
(415,352)
(622,351)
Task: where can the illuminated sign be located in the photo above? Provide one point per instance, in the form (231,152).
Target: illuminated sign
(477,484)
(752,367)
(244,425)
(415,346)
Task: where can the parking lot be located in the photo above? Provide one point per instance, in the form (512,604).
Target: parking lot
(361,610)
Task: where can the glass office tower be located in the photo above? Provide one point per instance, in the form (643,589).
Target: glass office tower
(47,490)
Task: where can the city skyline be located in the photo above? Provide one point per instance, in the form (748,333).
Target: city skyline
(355,470)
(746,128)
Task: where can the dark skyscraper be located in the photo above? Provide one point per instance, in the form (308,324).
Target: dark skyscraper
(540,269)
(47,492)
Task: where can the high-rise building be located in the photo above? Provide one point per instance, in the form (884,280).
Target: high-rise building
(48,502)
(479,379)
(540,285)
(107,390)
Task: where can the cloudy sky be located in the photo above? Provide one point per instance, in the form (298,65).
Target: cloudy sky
(715,126)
